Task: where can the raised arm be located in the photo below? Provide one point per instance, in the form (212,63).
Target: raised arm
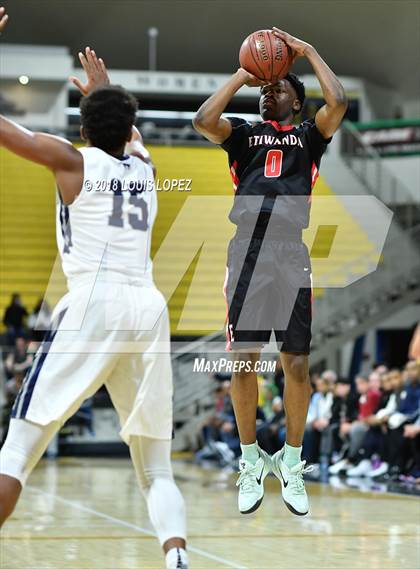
(329,117)
(208,120)
(52,151)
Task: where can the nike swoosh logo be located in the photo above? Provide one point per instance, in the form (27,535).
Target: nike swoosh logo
(285,484)
(260,477)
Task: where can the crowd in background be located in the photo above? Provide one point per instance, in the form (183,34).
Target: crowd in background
(366,428)
(24,332)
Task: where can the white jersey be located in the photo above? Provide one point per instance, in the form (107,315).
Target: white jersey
(109,225)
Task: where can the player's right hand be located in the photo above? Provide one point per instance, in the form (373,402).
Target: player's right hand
(249,79)
(3,19)
(96,72)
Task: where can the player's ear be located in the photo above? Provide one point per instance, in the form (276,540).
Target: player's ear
(296,106)
(82,134)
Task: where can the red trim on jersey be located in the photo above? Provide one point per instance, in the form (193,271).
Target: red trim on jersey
(228,335)
(314,178)
(314,174)
(280,127)
(234,175)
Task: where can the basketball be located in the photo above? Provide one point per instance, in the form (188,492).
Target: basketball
(265,55)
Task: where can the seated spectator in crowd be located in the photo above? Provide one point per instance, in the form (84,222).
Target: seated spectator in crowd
(11,389)
(318,420)
(330,376)
(412,439)
(345,409)
(374,441)
(39,320)
(14,319)
(354,432)
(267,391)
(19,360)
(271,435)
(407,411)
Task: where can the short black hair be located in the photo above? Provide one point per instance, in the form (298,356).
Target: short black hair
(108,115)
(299,87)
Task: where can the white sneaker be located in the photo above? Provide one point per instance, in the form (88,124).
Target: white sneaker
(251,482)
(292,484)
(340,466)
(362,469)
(381,469)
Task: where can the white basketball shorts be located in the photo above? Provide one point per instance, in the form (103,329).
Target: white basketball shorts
(115,335)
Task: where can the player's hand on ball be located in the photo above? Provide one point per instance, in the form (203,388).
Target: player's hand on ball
(3,19)
(96,72)
(298,47)
(249,79)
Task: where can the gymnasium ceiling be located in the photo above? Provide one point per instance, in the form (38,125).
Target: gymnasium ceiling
(374,39)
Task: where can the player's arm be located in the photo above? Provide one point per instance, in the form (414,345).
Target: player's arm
(208,120)
(97,76)
(48,150)
(329,117)
(136,148)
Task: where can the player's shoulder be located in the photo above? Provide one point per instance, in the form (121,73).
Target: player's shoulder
(306,125)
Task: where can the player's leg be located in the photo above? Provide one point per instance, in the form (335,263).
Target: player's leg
(52,391)
(254,464)
(152,462)
(297,393)
(25,444)
(287,463)
(141,390)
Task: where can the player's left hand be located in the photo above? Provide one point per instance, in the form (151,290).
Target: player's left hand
(298,47)
(96,72)
(3,19)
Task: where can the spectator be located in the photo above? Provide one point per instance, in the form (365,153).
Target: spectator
(19,360)
(344,409)
(374,441)
(318,420)
(14,318)
(39,321)
(354,432)
(11,389)
(271,434)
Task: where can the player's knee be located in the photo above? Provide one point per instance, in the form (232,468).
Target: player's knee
(244,366)
(299,369)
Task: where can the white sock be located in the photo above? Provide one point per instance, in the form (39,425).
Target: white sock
(250,453)
(174,555)
(291,455)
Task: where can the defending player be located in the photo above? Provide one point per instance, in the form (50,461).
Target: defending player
(276,163)
(105,213)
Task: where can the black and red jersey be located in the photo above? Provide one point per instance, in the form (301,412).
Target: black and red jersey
(271,160)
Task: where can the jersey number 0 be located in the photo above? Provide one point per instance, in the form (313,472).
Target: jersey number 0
(273,163)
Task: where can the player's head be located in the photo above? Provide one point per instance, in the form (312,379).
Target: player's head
(108,115)
(283,99)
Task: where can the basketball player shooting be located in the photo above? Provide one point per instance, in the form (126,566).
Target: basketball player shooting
(275,162)
(104,241)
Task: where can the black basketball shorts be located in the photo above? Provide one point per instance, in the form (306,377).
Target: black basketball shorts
(268,287)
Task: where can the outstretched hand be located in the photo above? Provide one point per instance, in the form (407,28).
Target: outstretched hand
(3,19)
(96,72)
(299,48)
